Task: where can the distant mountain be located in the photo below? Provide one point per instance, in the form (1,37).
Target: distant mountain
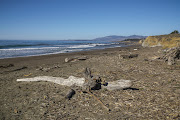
(120,38)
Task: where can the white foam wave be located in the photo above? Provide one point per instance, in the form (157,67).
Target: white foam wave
(81,46)
(56,49)
(42,48)
(40,54)
(85,46)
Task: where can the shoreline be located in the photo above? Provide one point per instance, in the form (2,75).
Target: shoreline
(88,52)
(48,48)
(61,53)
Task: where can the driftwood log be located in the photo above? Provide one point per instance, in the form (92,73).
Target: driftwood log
(6,66)
(86,84)
(46,69)
(128,56)
(18,69)
(58,80)
(74,59)
(92,83)
(171,55)
(118,85)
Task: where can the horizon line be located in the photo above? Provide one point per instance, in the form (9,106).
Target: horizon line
(79,39)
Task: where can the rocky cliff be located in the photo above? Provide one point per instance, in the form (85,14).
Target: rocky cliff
(166,41)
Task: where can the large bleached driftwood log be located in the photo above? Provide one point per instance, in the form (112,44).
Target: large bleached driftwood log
(115,85)
(87,84)
(59,80)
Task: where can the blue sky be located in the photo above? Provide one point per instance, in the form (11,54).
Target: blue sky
(86,19)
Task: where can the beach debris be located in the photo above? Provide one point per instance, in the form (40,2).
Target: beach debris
(46,69)
(74,59)
(91,82)
(128,56)
(86,84)
(21,68)
(118,85)
(69,94)
(17,111)
(89,92)
(81,82)
(28,75)
(171,60)
(171,54)
(152,58)
(18,69)
(58,80)
(6,66)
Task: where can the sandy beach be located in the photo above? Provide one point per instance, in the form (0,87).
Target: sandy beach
(155,93)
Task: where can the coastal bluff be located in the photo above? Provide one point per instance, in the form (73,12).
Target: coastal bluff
(166,41)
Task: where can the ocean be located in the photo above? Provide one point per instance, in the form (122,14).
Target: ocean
(22,48)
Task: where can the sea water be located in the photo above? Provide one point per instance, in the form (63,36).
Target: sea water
(22,48)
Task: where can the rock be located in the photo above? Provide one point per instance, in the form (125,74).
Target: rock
(70,94)
(118,85)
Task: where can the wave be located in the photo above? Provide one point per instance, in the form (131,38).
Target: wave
(25,48)
(81,46)
(41,54)
(66,51)
(16,46)
(42,48)
(85,46)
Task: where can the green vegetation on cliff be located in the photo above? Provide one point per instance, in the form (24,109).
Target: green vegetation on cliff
(175,32)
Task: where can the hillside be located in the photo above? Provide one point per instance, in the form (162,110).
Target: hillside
(166,41)
(120,38)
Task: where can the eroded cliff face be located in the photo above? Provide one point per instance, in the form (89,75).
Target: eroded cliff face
(166,41)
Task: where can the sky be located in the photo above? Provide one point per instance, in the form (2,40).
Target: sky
(86,19)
